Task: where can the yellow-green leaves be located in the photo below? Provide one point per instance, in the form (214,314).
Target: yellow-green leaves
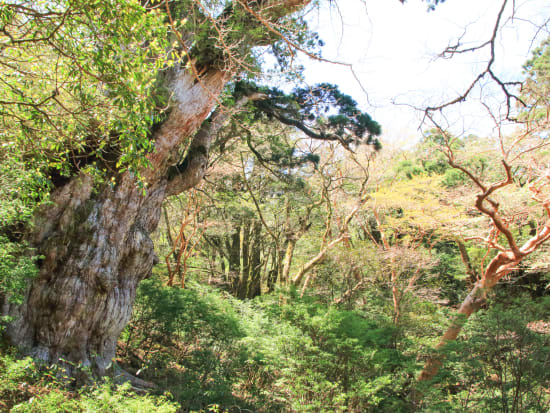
(77,79)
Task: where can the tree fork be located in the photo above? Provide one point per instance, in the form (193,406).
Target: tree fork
(502,264)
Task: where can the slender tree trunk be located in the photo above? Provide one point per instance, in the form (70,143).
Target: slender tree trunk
(172,247)
(298,277)
(344,235)
(308,279)
(287,261)
(254,287)
(244,268)
(502,264)
(274,273)
(465,257)
(471,304)
(247,280)
(396,296)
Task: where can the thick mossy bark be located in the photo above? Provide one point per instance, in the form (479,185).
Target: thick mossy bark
(96,249)
(95,241)
(96,245)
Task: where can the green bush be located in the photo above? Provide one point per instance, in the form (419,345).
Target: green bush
(186,341)
(207,347)
(500,364)
(26,386)
(101,399)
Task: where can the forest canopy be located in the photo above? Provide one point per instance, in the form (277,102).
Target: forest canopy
(187,223)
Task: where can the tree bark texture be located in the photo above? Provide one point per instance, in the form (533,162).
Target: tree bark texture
(246,260)
(96,245)
(501,265)
(95,240)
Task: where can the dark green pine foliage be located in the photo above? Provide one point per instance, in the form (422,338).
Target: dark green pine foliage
(321,112)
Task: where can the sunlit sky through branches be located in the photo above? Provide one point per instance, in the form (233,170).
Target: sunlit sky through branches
(393,50)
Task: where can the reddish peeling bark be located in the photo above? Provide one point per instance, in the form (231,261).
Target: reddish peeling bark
(501,265)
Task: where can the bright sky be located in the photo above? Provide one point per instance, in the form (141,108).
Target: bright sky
(392,48)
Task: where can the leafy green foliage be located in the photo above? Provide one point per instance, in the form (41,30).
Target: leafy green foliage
(101,399)
(28,387)
(536,88)
(341,360)
(502,363)
(182,339)
(454,178)
(300,356)
(77,83)
(321,112)
(408,169)
(81,91)
(227,35)
(16,269)
(76,95)
(22,191)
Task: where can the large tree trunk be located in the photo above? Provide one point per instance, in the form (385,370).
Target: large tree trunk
(96,245)
(95,241)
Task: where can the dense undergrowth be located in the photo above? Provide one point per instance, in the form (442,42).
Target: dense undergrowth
(26,386)
(381,246)
(207,351)
(265,355)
